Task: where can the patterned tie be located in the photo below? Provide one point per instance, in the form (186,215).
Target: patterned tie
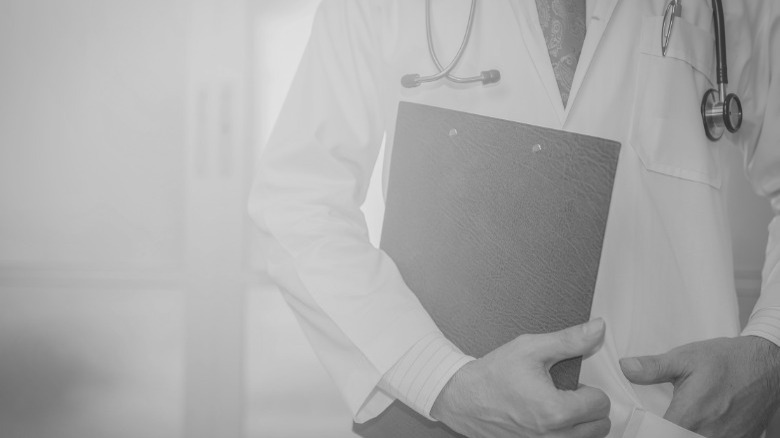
(563,24)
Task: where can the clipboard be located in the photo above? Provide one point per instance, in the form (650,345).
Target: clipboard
(497,227)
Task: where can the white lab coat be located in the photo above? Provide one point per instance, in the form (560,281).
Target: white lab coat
(666,275)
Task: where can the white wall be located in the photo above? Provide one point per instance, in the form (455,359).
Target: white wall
(122,218)
(91,189)
(91,128)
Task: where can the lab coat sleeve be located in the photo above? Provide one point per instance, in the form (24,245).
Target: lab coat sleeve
(421,374)
(312,177)
(762,163)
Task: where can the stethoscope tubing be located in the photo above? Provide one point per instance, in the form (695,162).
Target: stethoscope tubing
(720,43)
(445,71)
(719,110)
(486,77)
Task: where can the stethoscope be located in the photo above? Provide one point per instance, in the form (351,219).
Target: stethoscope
(486,77)
(720,110)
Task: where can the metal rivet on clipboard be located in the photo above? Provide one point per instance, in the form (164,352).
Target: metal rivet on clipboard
(673,10)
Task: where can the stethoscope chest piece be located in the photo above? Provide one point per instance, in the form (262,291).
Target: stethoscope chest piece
(720,111)
(720,114)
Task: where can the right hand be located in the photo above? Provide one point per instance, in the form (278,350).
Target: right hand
(509,392)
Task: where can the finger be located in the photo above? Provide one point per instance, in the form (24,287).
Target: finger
(575,341)
(647,370)
(584,405)
(593,429)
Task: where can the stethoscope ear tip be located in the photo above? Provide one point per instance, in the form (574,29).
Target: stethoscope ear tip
(490,77)
(411,80)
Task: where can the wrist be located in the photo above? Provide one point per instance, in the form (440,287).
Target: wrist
(768,353)
(452,396)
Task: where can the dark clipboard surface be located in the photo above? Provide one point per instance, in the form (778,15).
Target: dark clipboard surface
(497,227)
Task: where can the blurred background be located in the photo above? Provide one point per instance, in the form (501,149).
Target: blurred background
(132,298)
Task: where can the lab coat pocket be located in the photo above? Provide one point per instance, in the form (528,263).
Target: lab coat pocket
(667,131)
(644,424)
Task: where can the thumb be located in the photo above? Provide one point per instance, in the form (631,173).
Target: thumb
(648,370)
(571,342)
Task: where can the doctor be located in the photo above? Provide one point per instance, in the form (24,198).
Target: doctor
(666,355)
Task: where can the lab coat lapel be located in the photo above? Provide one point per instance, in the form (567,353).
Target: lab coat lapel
(596,26)
(533,38)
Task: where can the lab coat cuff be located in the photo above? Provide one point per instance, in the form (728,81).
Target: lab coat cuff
(420,375)
(764,323)
(384,352)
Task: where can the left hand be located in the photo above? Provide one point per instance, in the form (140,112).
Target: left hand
(725,387)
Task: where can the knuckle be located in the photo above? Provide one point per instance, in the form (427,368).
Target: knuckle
(722,408)
(595,401)
(603,427)
(557,418)
(552,417)
(603,403)
(544,427)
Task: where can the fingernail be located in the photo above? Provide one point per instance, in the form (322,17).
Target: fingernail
(594,327)
(631,364)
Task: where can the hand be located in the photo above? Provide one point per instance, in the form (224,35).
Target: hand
(726,387)
(509,392)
